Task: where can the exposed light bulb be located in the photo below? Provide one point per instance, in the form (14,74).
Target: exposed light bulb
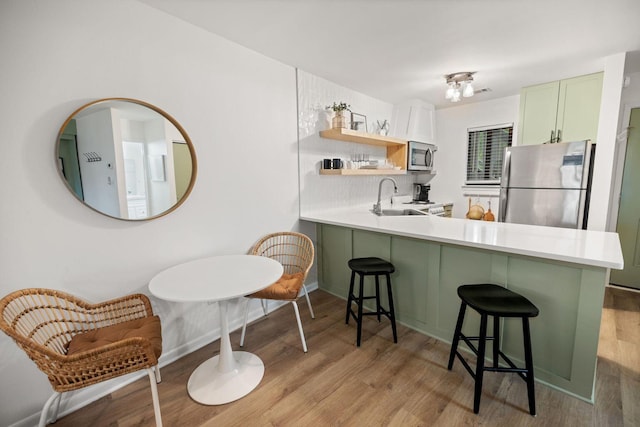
(468,90)
(456,95)
(450,90)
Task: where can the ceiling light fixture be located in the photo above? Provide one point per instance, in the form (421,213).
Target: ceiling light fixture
(459,84)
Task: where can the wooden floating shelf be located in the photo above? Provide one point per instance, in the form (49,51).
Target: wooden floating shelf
(354,172)
(396,151)
(343,134)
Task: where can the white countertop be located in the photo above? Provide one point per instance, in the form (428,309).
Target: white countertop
(596,248)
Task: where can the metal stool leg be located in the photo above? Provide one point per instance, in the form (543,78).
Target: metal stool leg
(392,311)
(456,335)
(360,303)
(350,297)
(482,344)
(378,296)
(526,333)
(496,340)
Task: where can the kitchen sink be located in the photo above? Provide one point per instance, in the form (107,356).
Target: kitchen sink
(401,212)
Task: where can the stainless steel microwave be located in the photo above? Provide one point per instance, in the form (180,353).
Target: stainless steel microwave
(420,156)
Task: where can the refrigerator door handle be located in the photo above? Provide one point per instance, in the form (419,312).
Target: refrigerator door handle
(504,185)
(503,204)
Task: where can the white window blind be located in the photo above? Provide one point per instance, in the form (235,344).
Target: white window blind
(485,152)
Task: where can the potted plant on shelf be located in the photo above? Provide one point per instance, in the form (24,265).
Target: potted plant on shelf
(338,120)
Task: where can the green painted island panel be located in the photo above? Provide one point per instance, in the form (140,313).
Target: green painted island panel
(411,293)
(334,250)
(569,296)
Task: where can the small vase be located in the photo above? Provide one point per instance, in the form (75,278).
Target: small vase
(338,120)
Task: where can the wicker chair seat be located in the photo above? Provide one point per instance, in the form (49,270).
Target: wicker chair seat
(286,288)
(145,329)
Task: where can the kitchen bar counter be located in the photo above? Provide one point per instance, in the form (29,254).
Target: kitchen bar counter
(595,248)
(562,271)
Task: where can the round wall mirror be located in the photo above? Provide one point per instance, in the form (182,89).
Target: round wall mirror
(126,159)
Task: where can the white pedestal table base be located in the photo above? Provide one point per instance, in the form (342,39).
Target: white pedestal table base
(209,386)
(227,376)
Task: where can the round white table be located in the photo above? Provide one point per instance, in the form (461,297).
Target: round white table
(231,374)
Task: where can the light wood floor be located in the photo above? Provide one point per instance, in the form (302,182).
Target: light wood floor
(380,383)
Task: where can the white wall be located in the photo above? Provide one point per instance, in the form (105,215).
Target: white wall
(238,107)
(451,138)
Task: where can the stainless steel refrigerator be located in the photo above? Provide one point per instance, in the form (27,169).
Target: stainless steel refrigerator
(547,184)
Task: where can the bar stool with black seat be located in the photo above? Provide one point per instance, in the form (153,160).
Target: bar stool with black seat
(496,301)
(370,267)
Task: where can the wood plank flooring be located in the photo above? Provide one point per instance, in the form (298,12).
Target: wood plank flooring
(380,383)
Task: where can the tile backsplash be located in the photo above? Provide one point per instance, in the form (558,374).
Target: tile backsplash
(326,191)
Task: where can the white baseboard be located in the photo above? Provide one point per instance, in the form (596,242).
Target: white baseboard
(623,288)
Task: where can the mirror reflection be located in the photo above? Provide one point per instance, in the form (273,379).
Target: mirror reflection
(126,159)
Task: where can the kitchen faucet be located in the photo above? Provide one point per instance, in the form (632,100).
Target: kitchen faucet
(376,208)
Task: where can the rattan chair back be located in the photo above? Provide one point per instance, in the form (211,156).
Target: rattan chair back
(293,250)
(43,321)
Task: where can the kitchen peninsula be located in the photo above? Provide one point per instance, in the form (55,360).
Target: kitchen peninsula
(562,271)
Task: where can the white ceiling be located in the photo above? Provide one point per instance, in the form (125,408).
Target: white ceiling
(396,50)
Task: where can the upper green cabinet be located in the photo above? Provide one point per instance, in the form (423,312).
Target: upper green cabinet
(560,111)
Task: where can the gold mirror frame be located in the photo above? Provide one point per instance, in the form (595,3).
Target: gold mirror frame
(154,167)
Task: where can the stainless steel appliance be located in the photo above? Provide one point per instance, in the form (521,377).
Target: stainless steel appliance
(420,156)
(421,192)
(547,184)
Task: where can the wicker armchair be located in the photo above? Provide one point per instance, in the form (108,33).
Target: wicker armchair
(77,344)
(295,252)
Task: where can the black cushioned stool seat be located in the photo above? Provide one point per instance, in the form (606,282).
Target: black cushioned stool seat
(370,267)
(496,301)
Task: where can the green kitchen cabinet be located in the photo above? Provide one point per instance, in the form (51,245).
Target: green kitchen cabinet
(561,111)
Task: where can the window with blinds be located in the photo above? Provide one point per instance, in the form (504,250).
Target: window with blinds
(485,152)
